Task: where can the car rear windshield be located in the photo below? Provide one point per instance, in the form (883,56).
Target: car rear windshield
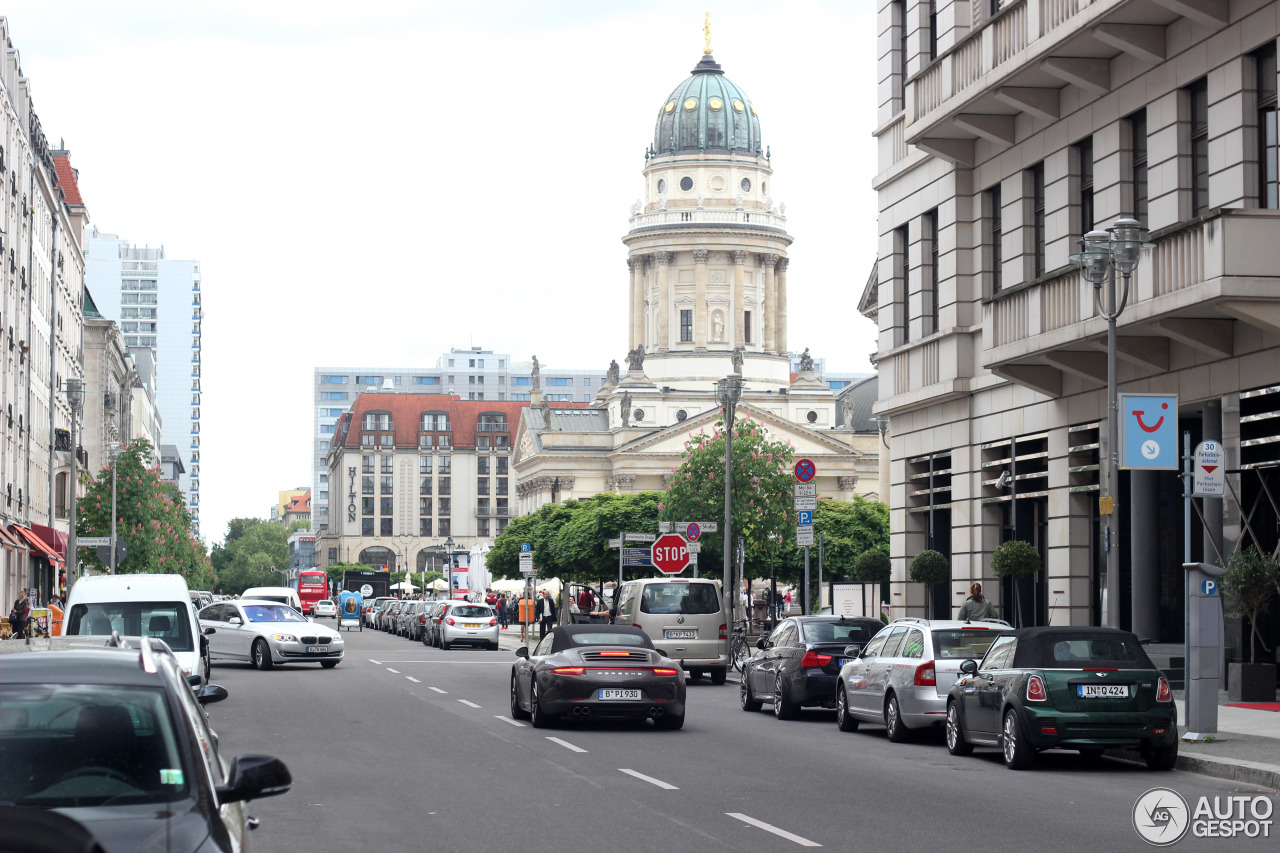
(471,612)
(601,638)
(687,598)
(71,745)
(1092,650)
(165,620)
(835,632)
(963,643)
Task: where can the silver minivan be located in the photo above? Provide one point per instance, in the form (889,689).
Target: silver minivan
(684,617)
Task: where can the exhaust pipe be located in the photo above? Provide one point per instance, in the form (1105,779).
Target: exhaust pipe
(656,712)
(582,711)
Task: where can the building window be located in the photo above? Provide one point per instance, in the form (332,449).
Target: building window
(387,464)
(994,213)
(1268,147)
(424,506)
(521,380)
(334,380)
(366,506)
(746,327)
(386,506)
(444,442)
(482,528)
(1199,96)
(931,224)
(686,325)
(502,486)
(368,380)
(1138,173)
(366,464)
(424,486)
(384,526)
(446,528)
(333,554)
(435,422)
(482,442)
(903,253)
(388,485)
(1037,218)
(899,23)
(933,29)
(325,429)
(426,380)
(380,421)
(445,485)
(482,486)
(366,527)
(424,464)
(425,442)
(424,527)
(446,464)
(445,506)
(1084,152)
(366,485)
(502,465)
(482,465)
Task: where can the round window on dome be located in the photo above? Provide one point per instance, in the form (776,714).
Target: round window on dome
(671,105)
(662,186)
(717,183)
(715,104)
(746,185)
(686,183)
(738,105)
(753,109)
(691,103)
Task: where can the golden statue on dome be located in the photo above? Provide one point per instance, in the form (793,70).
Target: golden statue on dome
(706,34)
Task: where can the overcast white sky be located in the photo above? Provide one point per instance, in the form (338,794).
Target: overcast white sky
(371,183)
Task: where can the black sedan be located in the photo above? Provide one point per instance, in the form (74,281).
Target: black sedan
(597,672)
(799,663)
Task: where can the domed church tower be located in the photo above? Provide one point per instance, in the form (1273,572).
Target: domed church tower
(707,246)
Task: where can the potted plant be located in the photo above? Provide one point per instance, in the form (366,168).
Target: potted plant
(1015,559)
(929,568)
(1249,585)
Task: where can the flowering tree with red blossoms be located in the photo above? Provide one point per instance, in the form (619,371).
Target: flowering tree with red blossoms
(151,515)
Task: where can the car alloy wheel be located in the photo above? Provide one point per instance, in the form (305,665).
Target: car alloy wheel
(539,719)
(783,708)
(844,720)
(261,655)
(956,743)
(893,726)
(1018,754)
(746,697)
(517,713)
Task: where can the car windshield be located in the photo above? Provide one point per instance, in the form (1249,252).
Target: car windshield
(602,638)
(165,620)
(72,745)
(471,612)
(836,632)
(687,598)
(963,643)
(1102,650)
(272,613)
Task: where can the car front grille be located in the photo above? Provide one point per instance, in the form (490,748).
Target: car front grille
(316,641)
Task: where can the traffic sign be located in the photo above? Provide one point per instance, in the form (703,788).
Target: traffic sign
(694,548)
(640,537)
(636,552)
(664,527)
(810,504)
(806,518)
(122,551)
(1208,586)
(615,543)
(710,526)
(805,470)
(1209,472)
(92,541)
(525,548)
(805,490)
(1149,431)
(637,561)
(529,572)
(804,536)
(670,554)
(692,531)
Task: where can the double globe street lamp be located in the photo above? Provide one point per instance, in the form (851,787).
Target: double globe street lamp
(728,393)
(75,399)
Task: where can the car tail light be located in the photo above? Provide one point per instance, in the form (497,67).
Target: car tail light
(665,671)
(1158,731)
(926,675)
(1163,693)
(1048,730)
(451,622)
(493,622)
(1035,690)
(569,670)
(641,627)
(422,620)
(813,659)
(724,632)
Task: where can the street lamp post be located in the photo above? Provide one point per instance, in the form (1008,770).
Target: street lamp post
(75,399)
(113,450)
(448,569)
(728,392)
(1101,255)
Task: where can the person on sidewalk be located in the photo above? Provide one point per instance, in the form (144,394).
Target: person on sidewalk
(977,606)
(546,614)
(19,614)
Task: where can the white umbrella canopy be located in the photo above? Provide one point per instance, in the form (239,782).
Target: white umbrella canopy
(507,586)
(552,584)
(403,585)
(439,583)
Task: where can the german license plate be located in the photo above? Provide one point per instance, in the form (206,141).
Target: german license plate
(316,650)
(682,635)
(614,693)
(1102,691)
(472,625)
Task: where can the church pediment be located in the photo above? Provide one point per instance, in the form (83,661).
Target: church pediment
(803,440)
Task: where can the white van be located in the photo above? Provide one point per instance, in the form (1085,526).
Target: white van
(283,594)
(684,617)
(140,605)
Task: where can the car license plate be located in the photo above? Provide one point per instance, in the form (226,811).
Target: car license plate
(682,635)
(606,693)
(316,650)
(1102,691)
(472,625)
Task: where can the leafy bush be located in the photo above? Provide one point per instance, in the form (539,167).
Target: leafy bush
(1250,583)
(929,567)
(1015,558)
(872,566)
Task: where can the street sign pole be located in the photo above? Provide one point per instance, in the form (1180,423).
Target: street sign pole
(821,541)
(806,580)
(617,591)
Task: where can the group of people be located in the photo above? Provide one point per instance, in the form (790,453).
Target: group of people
(21,620)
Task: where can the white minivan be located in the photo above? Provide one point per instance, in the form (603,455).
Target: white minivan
(685,619)
(283,594)
(140,605)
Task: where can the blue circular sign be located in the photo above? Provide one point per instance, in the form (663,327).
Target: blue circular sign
(805,470)
(693,531)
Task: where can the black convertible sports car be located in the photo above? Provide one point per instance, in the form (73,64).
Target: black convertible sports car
(597,672)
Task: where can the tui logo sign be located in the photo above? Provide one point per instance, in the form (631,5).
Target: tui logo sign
(1149,431)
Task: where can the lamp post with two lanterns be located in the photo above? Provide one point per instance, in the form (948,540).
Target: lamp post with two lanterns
(75,399)
(728,393)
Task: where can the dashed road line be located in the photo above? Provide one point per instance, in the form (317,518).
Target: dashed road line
(468,704)
(516,723)
(438,690)
(767,827)
(396,671)
(652,781)
(414,680)
(566,744)
(378,662)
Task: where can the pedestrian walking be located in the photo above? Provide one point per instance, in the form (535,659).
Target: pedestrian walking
(977,606)
(503,612)
(19,615)
(546,614)
(525,615)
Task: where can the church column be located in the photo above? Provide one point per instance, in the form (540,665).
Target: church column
(782,304)
(662,341)
(769,321)
(737,299)
(636,266)
(700,298)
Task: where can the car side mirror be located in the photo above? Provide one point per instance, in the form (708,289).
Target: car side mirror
(523,652)
(762,643)
(254,776)
(211,693)
(969,667)
(853,651)
(235,620)
(194,679)
(207,631)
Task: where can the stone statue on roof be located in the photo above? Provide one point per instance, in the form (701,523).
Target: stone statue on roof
(536,374)
(611,378)
(626,408)
(635,360)
(737,361)
(806,361)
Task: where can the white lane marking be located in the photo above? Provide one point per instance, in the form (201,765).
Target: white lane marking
(468,704)
(652,781)
(781,833)
(508,720)
(438,690)
(414,680)
(566,744)
(396,671)
(378,662)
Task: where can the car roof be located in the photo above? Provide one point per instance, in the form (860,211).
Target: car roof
(81,659)
(826,617)
(951,623)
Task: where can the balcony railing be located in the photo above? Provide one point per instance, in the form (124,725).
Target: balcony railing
(708,217)
(492,511)
(486,427)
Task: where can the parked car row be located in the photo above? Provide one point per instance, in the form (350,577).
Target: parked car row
(443,624)
(988,684)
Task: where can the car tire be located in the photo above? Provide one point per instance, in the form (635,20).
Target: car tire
(783,708)
(845,721)
(517,713)
(1162,758)
(1017,752)
(444,647)
(893,726)
(261,655)
(539,719)
(669,722)
(493,647)
(424,639)
(746,697)
(328,664)
(719,675)
(956,743)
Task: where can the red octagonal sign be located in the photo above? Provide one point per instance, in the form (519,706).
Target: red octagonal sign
(670,554)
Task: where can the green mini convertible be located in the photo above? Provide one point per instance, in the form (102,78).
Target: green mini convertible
(1086,689)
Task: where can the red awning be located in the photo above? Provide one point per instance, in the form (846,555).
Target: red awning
(7,538)
(38,545)
(54,538)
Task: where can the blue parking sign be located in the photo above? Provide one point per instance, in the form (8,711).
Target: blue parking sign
(1149,431)
(806,518)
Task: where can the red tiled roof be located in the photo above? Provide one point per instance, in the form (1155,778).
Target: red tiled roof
(794,377)
(302,503)
(67,180)
(406,412)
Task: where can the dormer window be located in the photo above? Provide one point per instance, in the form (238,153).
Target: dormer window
(377,421)
(435,422)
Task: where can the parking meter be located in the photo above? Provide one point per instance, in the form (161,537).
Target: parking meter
(1204,648)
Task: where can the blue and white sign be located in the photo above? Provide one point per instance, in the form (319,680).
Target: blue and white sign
(1149,431)
(1208,586)
(525,548)
(1209,471)
(806,518)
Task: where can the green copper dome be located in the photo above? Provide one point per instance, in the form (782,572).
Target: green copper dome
(707,113)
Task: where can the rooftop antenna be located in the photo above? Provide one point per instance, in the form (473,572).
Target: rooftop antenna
(706,34)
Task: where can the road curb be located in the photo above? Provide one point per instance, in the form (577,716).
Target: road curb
(1219,767)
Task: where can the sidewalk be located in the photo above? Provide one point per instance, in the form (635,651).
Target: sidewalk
(1245,749)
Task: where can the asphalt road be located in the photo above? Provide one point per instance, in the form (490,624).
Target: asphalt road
(402,747)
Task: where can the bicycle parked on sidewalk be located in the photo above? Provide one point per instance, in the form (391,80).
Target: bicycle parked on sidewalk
(739,649)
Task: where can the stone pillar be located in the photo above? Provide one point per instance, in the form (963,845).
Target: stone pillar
(737,297)
(769,322)
(662,340)
(636,266)
(1144,552)
(781,334)
(700,298)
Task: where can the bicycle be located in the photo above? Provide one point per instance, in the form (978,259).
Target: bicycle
(739,650)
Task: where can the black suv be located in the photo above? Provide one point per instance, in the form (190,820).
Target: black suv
(107,732)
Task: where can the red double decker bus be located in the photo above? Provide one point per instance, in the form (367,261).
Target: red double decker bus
(312,586)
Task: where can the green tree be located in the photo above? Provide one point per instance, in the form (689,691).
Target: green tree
(873,566)
(151,516)
(249,559)
(581,550)
(1250,584)
(538,529)
(235,529)
(850,528)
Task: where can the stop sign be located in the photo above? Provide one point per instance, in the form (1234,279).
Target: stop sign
(670,554)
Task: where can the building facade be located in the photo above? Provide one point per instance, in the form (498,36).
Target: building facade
(1006,131)
(157,302)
